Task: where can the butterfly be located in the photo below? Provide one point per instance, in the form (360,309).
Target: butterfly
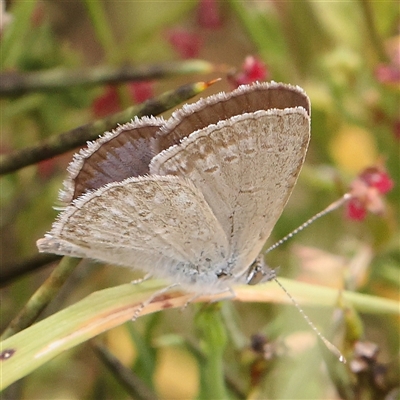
(191,199)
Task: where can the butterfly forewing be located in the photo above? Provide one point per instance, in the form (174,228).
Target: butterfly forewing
(246,168)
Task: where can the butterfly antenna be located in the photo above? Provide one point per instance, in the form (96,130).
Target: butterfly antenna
(333,206)
(331,347)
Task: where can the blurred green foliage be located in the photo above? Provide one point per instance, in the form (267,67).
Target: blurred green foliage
(345,55)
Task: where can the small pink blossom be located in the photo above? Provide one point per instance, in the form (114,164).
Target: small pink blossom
(46,168)
(253,69)
(107,103)
(186,44)
(377,178)
(141,91)
(388,74)
(367,192)
(208,14)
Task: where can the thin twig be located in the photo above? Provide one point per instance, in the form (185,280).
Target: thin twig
(10,272)
(42,297)
(131,382)
(15,83)
(74,138)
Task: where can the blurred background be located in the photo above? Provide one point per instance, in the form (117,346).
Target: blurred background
(346,55)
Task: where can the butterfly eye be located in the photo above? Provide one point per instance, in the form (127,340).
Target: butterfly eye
(255,274)
(259,272)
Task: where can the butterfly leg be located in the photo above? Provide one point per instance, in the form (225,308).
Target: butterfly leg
(145,303)
(230,296)
(141,280)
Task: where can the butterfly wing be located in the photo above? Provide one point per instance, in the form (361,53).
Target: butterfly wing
(161,225)
(113,157)
(216,191)
(246,167)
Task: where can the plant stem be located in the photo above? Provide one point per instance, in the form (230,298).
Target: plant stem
(74,138)
(42,297)
(15,83)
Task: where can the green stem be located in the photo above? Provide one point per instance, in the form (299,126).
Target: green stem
(12,42)
(214,340)
(14,83)
(375,38)
(42,297)
(101,27)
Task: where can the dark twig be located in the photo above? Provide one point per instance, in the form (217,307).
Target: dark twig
(15,83)
(64,142)
(10,272)
(42,297)
(132,383)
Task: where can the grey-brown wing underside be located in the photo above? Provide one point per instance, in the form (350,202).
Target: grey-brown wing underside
(123,153)
(246,167)
(152,223)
